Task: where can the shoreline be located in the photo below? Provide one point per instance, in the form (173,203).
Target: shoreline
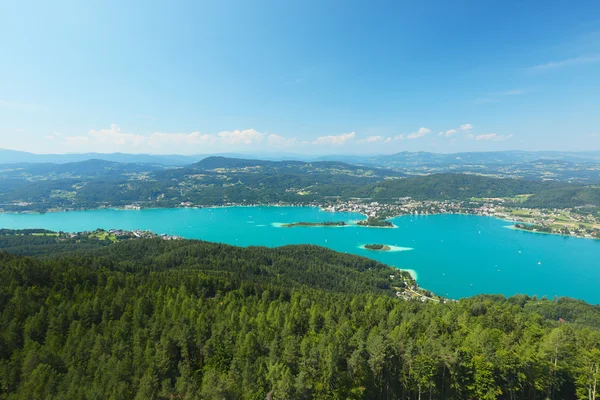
(549,233)
(349,224)
(412,272)
(392,249)
(389,260)
(158,208)
(320,207)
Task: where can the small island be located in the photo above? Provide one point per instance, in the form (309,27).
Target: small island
(375,222)
(325,223)
(377,247)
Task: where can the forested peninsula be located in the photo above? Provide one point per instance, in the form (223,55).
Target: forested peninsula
(324,223)
(165,319)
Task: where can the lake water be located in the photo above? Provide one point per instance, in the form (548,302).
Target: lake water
(452,255)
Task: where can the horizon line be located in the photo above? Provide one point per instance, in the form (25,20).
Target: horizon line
(266,153)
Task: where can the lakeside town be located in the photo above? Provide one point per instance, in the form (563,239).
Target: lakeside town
(570,222)
(581,222)
(114,235)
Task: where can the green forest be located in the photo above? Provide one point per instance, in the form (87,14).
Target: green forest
(156,319)
(220,180)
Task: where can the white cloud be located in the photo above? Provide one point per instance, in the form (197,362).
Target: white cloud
(375,139)
(566,63)
(247,136)
(415,135)
(113,139)
(448,133)
(420,133)
(20,130)
(335,139)
(491,136)
(113,135)
(49,137)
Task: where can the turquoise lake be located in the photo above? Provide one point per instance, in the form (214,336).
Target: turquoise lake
(452,255)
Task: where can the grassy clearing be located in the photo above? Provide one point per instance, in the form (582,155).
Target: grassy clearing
(522,213)
(103,235)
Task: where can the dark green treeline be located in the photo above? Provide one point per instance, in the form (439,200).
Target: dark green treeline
(152,319)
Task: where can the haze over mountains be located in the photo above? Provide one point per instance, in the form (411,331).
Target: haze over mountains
(14,156)
(218,180)
(572,167)
(397,160)
(412,159)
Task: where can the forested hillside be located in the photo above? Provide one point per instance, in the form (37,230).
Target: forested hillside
(545,194)
(452,187)
(213,181)
(566,197)
(44,243)
(155,319)
(221,180)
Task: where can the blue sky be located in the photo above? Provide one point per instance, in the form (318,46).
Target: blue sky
(307,76)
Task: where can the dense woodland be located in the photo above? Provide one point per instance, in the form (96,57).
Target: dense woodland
(156,319)
(220,180)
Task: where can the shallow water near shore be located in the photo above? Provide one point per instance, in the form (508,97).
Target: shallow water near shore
(452,255)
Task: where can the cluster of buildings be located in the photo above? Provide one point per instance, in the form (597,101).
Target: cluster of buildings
(563,222)
(140,234)
(412,292)
(118,234)
(566,222)
(408,206)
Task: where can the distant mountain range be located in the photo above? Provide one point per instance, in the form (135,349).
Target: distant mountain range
(14,157)
(402,160)
(417,159)
(218,180)
(88,168)
(214,164)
